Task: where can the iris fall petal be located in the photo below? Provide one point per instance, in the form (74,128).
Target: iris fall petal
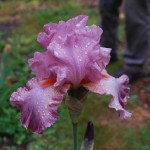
(115,87)
(38,105)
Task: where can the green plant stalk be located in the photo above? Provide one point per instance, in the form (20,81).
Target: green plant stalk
(75,135)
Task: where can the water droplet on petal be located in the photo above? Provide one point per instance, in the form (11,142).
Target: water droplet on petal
(78,25)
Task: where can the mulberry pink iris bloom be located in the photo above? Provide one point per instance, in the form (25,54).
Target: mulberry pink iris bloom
(73,58)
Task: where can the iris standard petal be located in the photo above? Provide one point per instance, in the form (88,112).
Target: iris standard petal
(115,87)
(76,55)
(73,48)
(61,30)
(44,39)
(38,104)
(79,21)
(43,64)
(50,28)
(39,64)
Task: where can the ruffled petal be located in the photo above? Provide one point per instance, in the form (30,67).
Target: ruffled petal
(115,87)
(50,28)
(93,32)
(68,28)
(61,30)
(79,21)
(77,54)
(72,49)
(104,57)
(44,39)
(38,105)
(42,65)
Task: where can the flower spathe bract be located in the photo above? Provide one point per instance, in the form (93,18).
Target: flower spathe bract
(72,58)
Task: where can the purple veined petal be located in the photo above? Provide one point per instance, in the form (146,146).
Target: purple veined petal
(115,87)
(38,105)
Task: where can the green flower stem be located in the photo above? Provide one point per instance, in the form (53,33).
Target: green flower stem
(75,135)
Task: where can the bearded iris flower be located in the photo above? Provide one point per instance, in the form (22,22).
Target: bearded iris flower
(72,59)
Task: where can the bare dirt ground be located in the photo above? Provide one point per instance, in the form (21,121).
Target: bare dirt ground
(142,113)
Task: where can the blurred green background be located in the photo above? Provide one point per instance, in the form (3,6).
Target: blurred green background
(20,22)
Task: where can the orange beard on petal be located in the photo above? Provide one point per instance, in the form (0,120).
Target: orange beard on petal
(104,76)
(48,82)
